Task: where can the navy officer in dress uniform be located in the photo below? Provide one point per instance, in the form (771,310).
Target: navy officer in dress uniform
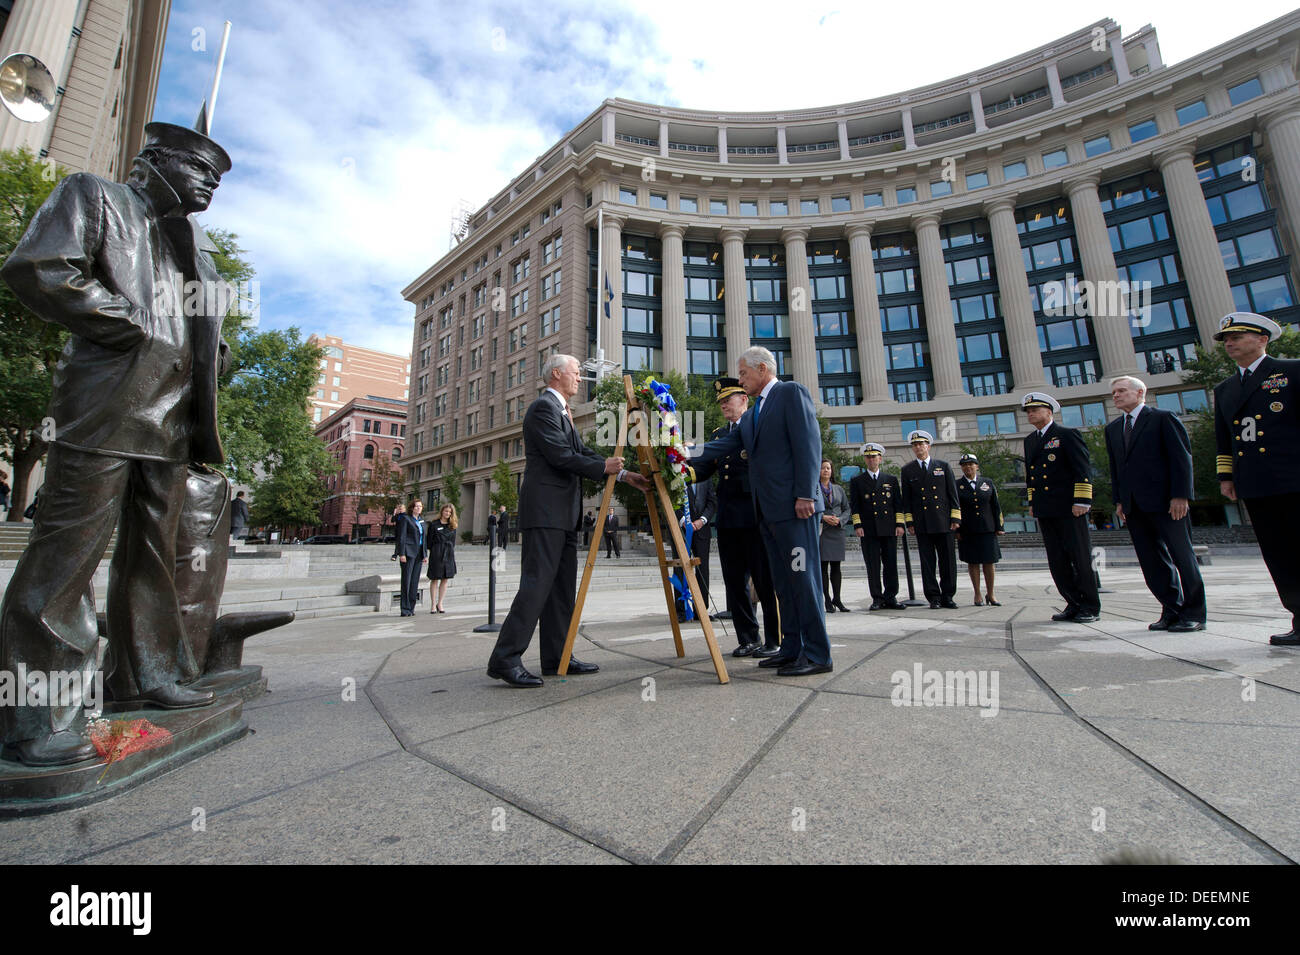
(876,503)
(1257,433)
(740,549)
(981,524)
(1058,475)
(932,513)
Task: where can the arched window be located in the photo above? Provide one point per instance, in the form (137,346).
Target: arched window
(369,452)
(397,453)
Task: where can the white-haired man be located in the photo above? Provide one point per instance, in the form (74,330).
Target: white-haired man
(550,513)
(781,437)
(1151,484)
(1257,433)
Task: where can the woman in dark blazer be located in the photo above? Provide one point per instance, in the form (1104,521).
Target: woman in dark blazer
(440,536)
(981,525)
(835,518)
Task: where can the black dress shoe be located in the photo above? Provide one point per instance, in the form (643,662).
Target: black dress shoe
(1290,639)
(841,608)
(776,661)
(515,676)
(1069,613)
(1084,617)
(1186,626)
(767,651)
(948,604)
(56,749)
(830,607)
(1163,623)
(173,696)
(804,669)
(576,667)
(877,605)
(746,649)
(893,604)
(934,605)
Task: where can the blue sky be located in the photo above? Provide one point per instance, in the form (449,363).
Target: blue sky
(355,128)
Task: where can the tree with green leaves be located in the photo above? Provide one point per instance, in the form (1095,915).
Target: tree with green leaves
(452,482)
(1205,371)
(505,494)
(29,346)
(1103,496)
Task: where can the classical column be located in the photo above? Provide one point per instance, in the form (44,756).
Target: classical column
(866,315)
(736,296)
(673,299)
(607,127)
(1198,245)
(909,137)
(977,111)
(938,308)
(43,29)
(1110,324)
(1054,84)
(1120,58)
(781,155)
(842,131)
(1282,131)
(663,139)
(611,328)
(803,345)
(722,144)
(1013,289)
(1152,46)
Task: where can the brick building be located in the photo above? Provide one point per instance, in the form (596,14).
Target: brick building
(361,435)
(350,371)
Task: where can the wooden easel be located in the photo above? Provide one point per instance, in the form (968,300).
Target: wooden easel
(656,499)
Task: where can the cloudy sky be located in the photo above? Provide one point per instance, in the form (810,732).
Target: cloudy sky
(355,128)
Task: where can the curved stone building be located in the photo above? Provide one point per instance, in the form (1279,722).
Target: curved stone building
(918,260)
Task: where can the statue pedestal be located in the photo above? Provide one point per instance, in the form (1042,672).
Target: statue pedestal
(33,790)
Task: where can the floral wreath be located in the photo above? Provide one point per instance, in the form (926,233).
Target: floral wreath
(665,436)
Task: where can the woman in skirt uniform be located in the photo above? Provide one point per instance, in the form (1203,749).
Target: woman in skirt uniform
(981,525)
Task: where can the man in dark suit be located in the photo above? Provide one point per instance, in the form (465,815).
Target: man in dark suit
(876,502)
(239,517)
(1058,476)
(740,546)
(781,437)
(932,512)
(550,512)
(610,534)
(588,522)
(503,527)
(1151,483)
(410,554)
(1257,433)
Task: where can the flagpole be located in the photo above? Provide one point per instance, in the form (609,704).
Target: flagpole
(600,280)
(216,77)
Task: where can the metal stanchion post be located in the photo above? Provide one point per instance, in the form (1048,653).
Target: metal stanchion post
(911,600)
(495,553)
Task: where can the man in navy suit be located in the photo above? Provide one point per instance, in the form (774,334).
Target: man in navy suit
(1151,481)
(781,437)
(410,552)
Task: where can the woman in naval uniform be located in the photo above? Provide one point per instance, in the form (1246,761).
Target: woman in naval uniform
(981,525)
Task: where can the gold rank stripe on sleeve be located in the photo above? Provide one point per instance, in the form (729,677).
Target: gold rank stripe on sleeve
(1083,489)
(901,518)
(907,519)
(955,513)
(1030,490)
(1224,464)
(856,520)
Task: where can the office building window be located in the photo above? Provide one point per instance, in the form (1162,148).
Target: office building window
(1015,170)
(941,187)
(871,200)
(1243,91)
(1097,145)
(976,180)
(658,200)
(1055,159)
(999,422)
(905,195)
(1143,130)
(718,207)
(778,207)
(626,195)
(809,207)
(1192,112)
(688,204)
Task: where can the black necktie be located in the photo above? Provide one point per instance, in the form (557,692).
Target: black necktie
(1245,376)
(1128,431)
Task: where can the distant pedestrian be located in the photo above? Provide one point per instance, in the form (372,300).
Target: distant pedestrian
(441,538)
(503,528)
(588,523)
(4,490)
(410,552)
(834,519)
(611,535)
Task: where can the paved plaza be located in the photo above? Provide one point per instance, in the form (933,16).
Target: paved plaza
(1027,742)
